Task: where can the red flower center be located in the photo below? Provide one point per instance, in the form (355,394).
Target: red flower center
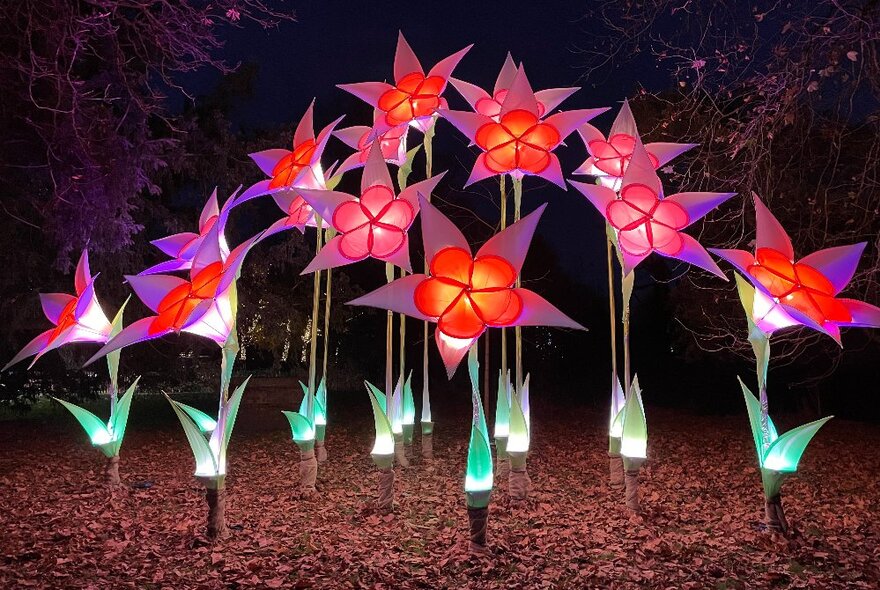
(613,156)
(799,286)
(176,307)
(288,168)
(645,222)
(375,225)
(413,97)
(467,295)
(66,319)
(518,141)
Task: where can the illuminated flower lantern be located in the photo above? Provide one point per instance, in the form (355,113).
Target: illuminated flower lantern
(777,292)
(183,246)
(414,97)
(609,157)
(79,318)
(490,104)
(361,138)
(206,305)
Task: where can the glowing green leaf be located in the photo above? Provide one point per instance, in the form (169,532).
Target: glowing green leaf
(406,168)
(113,357)
(785,452)
(301,429)
(232,410)
(409,404)
(753,406)
(321,403)
(479,471)
(502,408)
(205,423)
(383,448)
(518,438)
(95,428)
(634,438)
(206,463)
(119,420)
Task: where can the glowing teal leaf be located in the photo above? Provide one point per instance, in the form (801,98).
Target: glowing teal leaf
(232,410)
(94,426)
(321,402)
(301,429)
(479,471)
(384,444)
(785,452)
(113,357)
(634,438)
(119,420)
(409,404)
(502,408)
(753,406)
(518,438)
(206,463)
(205,423)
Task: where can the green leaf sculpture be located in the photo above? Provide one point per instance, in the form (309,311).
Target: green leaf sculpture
(383,447)
(479,476)
(106,436)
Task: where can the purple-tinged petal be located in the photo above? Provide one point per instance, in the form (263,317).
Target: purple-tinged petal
(624,122)
(54,303)
(588,134)
(397,296)
(640,170)
(566,122)
(452,350)
(631,261)
(438,232)
(470,92)
(351,136)
(175,265)
(323,137)
(537,311)
(82,276)
(505,75)
(266,160)
(89,315)
(325,202)
(599,196)
(350,163)
(466,122)
(665,151)
(211,209)
(328,257)
(520,95)
(827,328)
(131,334)
(216,321)
(770,233)
(693,252)
(553,172)
(376,170)
(305,129)
(480,171)
(445,66)
(209,251)
(405,60)
(864,315)
(255,190)
(512,243)
(30,349)
(369,92)
(151,289)
(553,97)
(768,315)
(232,266)
(400,257)
(174,244)
(698,204)
(424,187)
(838,264)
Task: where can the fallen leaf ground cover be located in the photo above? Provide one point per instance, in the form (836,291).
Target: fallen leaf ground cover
(701,525)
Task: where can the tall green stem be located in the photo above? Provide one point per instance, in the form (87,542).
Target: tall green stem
(429,164)
(313,335)
(517,204)
(612,311)
(503,187)
(389,345)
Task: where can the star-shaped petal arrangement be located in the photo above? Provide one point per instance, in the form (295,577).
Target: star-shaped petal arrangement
(609,157)
(299,167)
(204,305)
(645,221)
(790,292)
(361,138)
(372,225)
(183,246)
(414,97)
(490,104)
(466,294)
(518,141)
(77,318)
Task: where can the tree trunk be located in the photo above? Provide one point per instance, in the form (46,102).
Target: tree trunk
(775,514)
(216,498)
(478,519)
(615,469)
(112,472)
(428,447)
(308,471)
(518,482)
(632,490)
(400,451)
(385,502)
(320,451)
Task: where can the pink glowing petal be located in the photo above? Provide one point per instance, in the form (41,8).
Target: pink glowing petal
(350,163)
(624,122)
(305,129)
(640,170)
(54,303)
(566,122)
(827,328)
(770,233)
(424,187)
(208,253)
(174,244)
(537,311)
(397,296)
(768,315)
(553,172)
(355,244)
(131,334)
(351,136)
(30,349)
(480,171)
(234,262)
(327,204)
(452,350)
(693,252)
(599,196)
(266,160)
(666,241)
(59,340)
(741,260)
(470,92)
(698,204)
(175,265)
(864,315)
(255,190)
(281,225)
(405,60)
(214,321)
(590,134)
(328,257)
(369,92)
(321,143)
(553,97)
(376,170)
(151,289)
(466,122)
(438,232)
(82,276)
(665,152)
(399,257)
(837,264)
(631,261)
(398,214)
(520,95)
(512,244)
(89,315)
(211,209)
(349,216)
(505,75)
(285,199)
(444,67)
